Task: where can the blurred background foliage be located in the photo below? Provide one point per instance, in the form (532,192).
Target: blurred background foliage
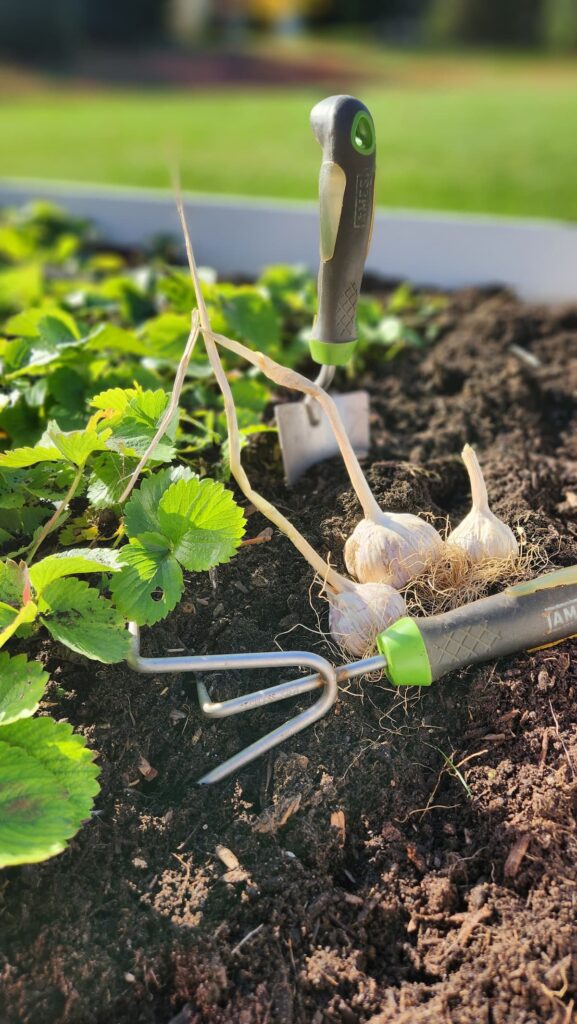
(55,29)
(475,101)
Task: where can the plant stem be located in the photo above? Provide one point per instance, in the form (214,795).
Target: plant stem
(479,494)
(172,405)
(331,578)
(291,379)
(50,525)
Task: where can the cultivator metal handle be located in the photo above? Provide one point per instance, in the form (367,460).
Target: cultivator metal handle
(539,613)
(345,130)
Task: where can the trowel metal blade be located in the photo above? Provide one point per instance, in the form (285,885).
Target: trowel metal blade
(304,443)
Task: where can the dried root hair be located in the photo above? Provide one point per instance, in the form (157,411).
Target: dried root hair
(455,579)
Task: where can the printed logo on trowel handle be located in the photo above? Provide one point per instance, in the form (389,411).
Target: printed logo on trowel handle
(560,615)
(363,198)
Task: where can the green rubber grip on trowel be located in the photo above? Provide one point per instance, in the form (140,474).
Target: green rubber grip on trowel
(527,616)
(344,128)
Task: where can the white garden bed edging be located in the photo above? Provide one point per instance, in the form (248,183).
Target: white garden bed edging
(235,235)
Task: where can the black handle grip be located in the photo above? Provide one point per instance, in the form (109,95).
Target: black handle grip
(530,615)
(344,128)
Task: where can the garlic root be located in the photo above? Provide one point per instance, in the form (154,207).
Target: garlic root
(482,535)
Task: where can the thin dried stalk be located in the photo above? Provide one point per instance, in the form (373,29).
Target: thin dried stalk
(332,579)
(286,378)
(172,405)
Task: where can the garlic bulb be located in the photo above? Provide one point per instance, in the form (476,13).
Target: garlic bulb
(391,548)
(357,615)
(481,534)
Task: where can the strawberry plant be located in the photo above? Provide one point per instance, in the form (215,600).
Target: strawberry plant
(90,342)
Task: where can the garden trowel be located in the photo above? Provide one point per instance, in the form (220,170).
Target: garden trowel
(344,128)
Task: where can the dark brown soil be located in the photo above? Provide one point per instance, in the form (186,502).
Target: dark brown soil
(362,880)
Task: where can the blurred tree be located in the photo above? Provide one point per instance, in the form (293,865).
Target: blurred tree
(124,21)
(398,21)
(500,22)
(40,31)
(560,25)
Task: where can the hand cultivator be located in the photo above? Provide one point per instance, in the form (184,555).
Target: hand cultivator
(412,652)
(386,550)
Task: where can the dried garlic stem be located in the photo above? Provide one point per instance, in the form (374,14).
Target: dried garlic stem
(332,579)
(172,405)
(291,379)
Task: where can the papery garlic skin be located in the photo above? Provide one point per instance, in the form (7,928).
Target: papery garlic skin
(357,616)
(392,548)
(481,535)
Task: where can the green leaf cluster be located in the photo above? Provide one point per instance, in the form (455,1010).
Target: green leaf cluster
(174,522)
(49,594)
(48,779)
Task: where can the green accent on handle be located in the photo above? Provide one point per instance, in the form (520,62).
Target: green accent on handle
(407,659)
(331,353)
(363,133)
(559,578)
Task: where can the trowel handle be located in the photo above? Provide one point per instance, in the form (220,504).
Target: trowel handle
(345,130)
(530,615)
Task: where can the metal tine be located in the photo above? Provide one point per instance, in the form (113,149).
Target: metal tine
(256,699)
(282,691)
(328,679)
(272,659)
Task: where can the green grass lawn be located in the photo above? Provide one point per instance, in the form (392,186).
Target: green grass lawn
(489,135)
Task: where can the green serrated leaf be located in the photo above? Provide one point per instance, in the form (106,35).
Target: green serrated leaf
(18,458)
(110,475)
(141,512)
(77,616)
(202,521)
(77,446)
(29,324)
(134,416)
(109,336)
(48,782)
(150,584)
(139,424)
(20,286)
(11,619)
(34,821)
(22,684)
(113,399)
(72,562)
(251,316)
(12,583)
